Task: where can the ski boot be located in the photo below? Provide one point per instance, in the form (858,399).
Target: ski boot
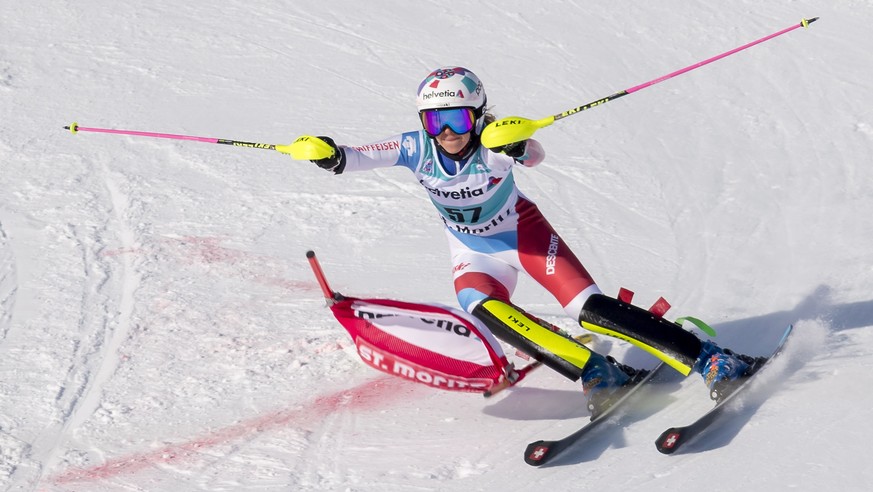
(603,378)
(722,368)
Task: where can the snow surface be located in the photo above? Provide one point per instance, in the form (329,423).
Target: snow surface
(160,328)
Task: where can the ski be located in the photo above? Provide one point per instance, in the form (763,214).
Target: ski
(539,453)
(673,438)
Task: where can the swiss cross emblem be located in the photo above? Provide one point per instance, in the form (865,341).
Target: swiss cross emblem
(539,452)
(671,440)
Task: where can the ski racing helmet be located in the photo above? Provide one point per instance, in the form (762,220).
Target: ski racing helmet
(451,87)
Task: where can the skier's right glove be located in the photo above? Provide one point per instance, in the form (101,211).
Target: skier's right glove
(336,162)
(514,150)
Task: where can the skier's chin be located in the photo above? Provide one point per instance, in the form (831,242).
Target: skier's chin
(453,144)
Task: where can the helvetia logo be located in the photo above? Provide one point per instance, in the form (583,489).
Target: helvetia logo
(462,194)
(492,182)
(445,93)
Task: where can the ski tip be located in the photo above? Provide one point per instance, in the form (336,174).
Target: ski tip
(669,441)
(536,453)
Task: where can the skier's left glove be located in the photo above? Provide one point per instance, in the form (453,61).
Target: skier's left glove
(336,162)
(514,150)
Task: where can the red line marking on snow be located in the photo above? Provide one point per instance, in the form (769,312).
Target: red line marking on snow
(368,396)
(331,347)
(193,250)
(285,284)
(121,251)
(208,250)
(250,266)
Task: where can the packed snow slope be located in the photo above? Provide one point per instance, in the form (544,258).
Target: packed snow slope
(160,328)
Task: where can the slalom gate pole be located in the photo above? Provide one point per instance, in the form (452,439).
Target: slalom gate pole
(515,128)
(329,295)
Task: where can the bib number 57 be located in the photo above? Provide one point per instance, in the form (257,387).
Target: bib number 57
(464,215)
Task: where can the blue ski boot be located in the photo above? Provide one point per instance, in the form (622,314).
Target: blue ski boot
(721,367)
(601,378)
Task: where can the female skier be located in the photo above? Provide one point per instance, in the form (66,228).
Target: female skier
(494,232)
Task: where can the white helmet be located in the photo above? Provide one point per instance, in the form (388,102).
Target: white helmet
(451,87)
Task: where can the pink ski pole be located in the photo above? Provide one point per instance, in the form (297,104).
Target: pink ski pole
(515,128)
(803,23)
(75,128)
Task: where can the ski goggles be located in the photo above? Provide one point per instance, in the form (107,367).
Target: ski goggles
(458,120)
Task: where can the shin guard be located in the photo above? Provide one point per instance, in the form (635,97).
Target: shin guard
(522,331)
(664,339)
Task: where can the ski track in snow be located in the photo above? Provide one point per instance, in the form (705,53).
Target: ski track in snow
(8,283)
(105,321)
(11,448)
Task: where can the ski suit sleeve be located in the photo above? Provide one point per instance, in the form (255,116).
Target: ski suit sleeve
(533,155)
(392,151)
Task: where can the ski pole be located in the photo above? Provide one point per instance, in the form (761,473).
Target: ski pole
(304,148)
(515,128)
